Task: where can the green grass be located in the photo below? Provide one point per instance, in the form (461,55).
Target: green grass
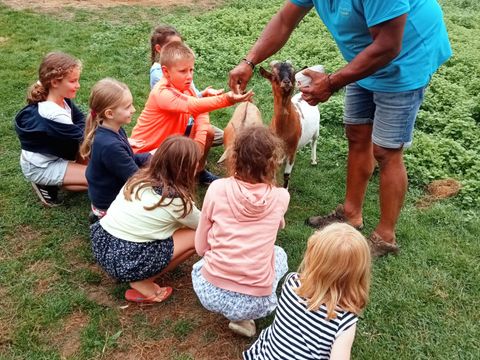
(424,303)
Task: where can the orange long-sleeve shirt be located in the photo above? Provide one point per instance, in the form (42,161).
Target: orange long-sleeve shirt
(167,112)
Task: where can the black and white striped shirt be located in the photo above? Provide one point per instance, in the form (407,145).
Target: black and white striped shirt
(296,333)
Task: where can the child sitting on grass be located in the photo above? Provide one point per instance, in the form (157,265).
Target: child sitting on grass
(173,102)
(236,235)
(50,129)
(150,227)
(161,36)
(112,160)
(319,306)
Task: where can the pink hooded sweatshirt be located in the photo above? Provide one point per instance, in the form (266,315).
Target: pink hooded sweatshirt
(237,232)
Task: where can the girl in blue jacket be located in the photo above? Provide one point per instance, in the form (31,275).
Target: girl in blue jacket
(112,160)
(50,129)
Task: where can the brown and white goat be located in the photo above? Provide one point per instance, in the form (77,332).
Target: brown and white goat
(294,121)
(245,114)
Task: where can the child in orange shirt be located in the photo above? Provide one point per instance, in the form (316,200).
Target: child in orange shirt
(174,108)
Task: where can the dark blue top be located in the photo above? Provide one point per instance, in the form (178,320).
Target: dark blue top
(40,135)
(112,162)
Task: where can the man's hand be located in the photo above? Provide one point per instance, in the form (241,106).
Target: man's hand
(319,90)
(239,77)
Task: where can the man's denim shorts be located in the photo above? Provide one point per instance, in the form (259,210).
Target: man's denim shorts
(392,114)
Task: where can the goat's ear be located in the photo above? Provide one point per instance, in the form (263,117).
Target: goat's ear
(273,63)
(266,74)
(303,68)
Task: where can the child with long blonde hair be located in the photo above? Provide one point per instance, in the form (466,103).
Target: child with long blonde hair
(112,160)
(319,306)
(150,227)
(236,235)
(50,129)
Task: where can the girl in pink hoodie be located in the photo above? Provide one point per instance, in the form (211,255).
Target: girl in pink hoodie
(236,234)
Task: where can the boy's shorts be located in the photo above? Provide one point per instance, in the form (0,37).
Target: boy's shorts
(218,137)
(393,115)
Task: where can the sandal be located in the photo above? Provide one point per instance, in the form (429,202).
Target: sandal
(161,294)
(336,216)
(379,247)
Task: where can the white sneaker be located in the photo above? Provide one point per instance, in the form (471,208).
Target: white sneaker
(243,327)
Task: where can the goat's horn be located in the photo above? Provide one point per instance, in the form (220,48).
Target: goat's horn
(273,63)
(288,62)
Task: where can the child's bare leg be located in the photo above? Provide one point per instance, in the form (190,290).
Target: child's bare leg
(74,179)
(183,248)
(206,148)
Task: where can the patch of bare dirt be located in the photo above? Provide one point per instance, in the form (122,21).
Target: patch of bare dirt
(45,274)
(96,293)
(20,242)
(49,5)
(68,339)
(209,338)
(438,190)
(3,40)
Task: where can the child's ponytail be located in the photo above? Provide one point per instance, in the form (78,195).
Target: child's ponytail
(54,66)
(36,93)
(91,125)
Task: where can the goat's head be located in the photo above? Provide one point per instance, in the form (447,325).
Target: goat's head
(282,77)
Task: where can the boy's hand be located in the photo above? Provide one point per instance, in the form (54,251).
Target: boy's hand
(236,98)
(211,92)
(136,143)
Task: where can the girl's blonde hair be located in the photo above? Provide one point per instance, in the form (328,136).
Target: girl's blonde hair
(54,66)
(160,36)
(335,270)
(255,155)
(172,168)
(106,94)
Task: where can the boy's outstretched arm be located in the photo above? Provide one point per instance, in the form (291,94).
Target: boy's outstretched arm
(174,101)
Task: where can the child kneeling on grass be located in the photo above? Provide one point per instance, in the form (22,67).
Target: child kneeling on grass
(319,306)
(112,160)
(150,227)
(236,235)
(174,108)
(50,129)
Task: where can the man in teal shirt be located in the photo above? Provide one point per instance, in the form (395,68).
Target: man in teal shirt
(392,49)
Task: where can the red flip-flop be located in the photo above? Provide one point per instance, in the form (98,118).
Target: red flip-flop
(161,294)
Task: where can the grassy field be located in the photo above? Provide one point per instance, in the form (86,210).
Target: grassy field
(56,303)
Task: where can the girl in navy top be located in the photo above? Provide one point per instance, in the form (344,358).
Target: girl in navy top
(50,129)
(112,160)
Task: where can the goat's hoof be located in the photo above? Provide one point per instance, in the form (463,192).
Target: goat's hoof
(314,162)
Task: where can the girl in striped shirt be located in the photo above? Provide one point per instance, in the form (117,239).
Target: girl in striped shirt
(319,306)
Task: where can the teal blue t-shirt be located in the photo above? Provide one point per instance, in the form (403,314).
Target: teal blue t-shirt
(425,43)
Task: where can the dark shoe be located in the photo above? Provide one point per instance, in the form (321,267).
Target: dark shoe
(337,216)
(48,195)
(92,218)
(206,177)
(379,247)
